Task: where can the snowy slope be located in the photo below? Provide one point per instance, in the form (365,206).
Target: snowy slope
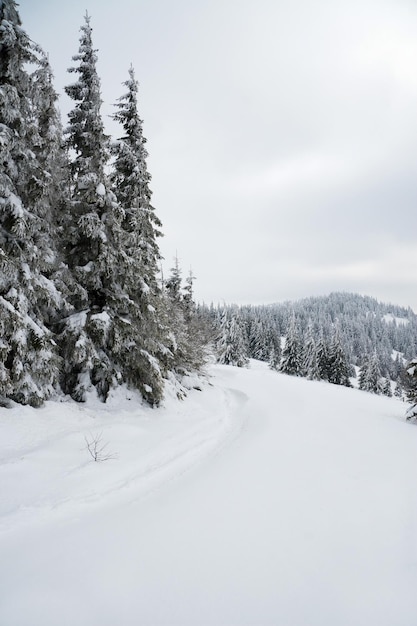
(47,472)
(400,321)
(263,500)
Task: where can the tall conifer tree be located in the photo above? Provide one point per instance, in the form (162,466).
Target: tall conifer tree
(231,346)
(187,329)
(370,374)
(94,237)
(292,352)
(142,341)
(310,358)
(29,364)
(338,365)
(411,388)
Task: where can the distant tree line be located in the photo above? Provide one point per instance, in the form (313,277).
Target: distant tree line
(333,338)
(82,303)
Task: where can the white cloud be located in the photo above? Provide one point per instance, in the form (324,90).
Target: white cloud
(281,135)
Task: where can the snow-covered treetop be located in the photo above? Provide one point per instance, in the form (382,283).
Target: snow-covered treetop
(86,130)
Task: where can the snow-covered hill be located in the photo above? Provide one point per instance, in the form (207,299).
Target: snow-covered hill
(262,500)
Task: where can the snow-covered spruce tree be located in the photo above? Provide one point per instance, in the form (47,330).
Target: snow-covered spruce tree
(363,372)
(274,360)
(259,341)
(53,158)
(323,358)
(370,375)
(142,334)
(398,391)
(292,352)
(174,282)
(94,239)
(274,341)
(187,330)
(29,300)
(411,388)
(174,311)
(310,358)
(386,389)
(197,331)
(398,367)
(188,294)
(338,367)
(49,149)
(231,347)
(262,336)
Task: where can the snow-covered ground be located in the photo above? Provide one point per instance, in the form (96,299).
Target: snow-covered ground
(262,500)
(400,321)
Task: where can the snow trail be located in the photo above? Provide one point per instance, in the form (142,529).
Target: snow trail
(155,448)
(303,512)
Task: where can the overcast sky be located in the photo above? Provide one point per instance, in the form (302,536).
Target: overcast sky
(282,135)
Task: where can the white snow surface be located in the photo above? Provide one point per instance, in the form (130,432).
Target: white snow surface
(261,500)
(400,321)
(103,317)
(100,190)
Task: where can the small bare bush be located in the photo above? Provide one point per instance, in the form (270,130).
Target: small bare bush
(98,449)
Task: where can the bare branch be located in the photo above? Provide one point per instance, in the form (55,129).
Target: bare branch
(97,448)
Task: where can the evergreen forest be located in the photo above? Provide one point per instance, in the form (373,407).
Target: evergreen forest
(336,338)
(83,305)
